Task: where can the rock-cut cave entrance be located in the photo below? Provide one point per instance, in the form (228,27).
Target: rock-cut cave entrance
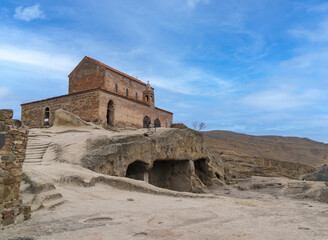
(171,174)
(201,170)
(137,170)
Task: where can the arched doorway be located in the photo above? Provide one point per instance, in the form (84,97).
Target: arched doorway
(46,116)
(157,123)
(110,113)
(146,122)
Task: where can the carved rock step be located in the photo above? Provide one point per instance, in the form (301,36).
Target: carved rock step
(49,200)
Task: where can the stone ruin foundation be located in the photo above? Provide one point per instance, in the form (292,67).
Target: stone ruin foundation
(13,141)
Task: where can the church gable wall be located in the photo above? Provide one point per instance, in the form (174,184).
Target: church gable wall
(86,76)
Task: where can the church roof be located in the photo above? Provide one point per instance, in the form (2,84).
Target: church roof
(114,70)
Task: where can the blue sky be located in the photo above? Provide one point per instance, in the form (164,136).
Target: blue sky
(252,66)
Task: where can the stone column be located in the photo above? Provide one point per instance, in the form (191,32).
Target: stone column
(146,177)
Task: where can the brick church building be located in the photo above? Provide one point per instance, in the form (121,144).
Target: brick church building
(103,95)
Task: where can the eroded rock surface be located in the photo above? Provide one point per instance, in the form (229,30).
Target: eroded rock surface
(174,159)
(64,118)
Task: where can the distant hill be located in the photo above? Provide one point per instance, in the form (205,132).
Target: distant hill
(288,149)
(271,156)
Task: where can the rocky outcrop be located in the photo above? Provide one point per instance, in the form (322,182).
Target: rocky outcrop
(13,140)
(64,118)
(317,191)
(174,159)
(238,166)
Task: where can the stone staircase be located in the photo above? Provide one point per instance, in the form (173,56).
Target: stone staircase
(37,191)
(37,145)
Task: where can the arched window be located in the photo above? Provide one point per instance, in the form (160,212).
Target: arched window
(110,113)
(116,88)
(151,98)
(146,98)
(157,123)
(46,116)
(146,122)
(136,96)
(127,92)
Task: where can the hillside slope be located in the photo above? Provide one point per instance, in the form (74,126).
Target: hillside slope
(288,149)
(269,156)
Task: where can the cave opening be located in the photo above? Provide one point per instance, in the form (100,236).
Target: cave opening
(202,171)
(171,174)
(137,170)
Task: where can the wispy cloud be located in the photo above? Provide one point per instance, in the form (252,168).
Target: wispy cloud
(46,60)
(29,13)
(193,3)
(318,34)
(279,99)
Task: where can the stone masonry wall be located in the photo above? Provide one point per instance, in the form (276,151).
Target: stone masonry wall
(85,105)
(129,113)
(123,83)
(92,106)
(13,140)
(89,75)
(86,76)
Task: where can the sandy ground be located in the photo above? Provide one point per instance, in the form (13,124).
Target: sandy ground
(105,212)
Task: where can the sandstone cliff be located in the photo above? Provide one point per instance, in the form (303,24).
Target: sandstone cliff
(169,158)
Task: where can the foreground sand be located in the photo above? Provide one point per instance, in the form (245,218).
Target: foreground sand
(105,212)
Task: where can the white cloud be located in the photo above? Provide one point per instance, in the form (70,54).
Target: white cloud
(192,82)
(29,13)
(281,99)
(37,58)
(193,3)
(319,34)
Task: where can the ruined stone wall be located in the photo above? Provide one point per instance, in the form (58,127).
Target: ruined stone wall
(85,105)
(13,140)
(86,76)
(130,113)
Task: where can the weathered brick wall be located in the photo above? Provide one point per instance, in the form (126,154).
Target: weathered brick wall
(86,76)
(92,106)
(89,75)
(85,105)
(129,113)
(13,140)
(123,83)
